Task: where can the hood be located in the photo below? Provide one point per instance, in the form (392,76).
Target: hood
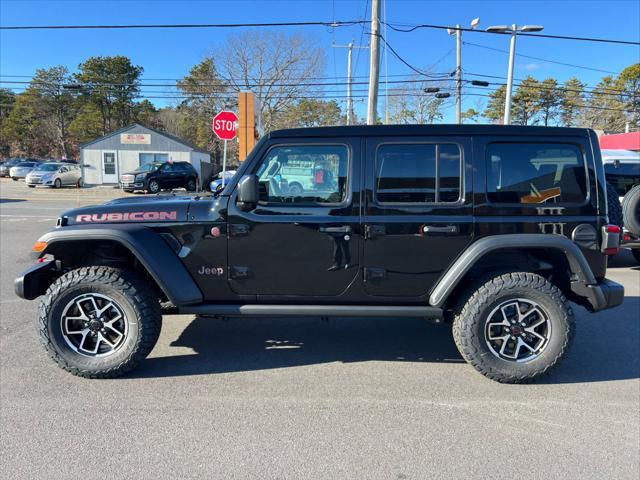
(157,209)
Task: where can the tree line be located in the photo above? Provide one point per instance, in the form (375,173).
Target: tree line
(59,110)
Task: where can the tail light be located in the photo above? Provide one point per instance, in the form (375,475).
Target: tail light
(611,239)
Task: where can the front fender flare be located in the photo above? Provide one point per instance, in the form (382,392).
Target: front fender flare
(456,272)
(150,250)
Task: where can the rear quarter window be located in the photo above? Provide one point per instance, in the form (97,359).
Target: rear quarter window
(536,173)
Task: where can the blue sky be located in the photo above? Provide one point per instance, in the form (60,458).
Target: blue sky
(171,53)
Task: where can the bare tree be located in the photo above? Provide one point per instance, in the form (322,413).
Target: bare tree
(411,104)
(277,67)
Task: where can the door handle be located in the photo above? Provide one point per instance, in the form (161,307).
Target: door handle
(341,229)
(438,229)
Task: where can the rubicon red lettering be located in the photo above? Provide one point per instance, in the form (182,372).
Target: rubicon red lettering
(126,217)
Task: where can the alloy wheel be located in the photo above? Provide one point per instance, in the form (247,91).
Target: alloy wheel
(517,330)
(94,325)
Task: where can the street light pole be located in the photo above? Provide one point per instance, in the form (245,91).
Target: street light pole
(374,64)
(512,55)
(513,29)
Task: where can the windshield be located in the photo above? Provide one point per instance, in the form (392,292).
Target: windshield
(147,167)
(48,167)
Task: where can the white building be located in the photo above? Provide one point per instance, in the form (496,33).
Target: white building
(106,158)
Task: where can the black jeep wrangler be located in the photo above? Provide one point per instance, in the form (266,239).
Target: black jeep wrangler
(495,229)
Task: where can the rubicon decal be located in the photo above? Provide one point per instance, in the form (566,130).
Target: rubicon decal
(126,217)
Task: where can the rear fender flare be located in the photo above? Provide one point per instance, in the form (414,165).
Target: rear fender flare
(456,272)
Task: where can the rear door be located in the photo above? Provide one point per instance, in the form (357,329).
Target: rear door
(299,242)
(418,215)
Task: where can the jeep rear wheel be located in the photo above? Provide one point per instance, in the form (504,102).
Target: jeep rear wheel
(514,328)
(99,322)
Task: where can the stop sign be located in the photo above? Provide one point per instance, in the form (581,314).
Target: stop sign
(224,125)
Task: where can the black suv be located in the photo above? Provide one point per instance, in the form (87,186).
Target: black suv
(495,229)
(154,177)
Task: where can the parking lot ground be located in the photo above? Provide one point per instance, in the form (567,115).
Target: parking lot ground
(381,398)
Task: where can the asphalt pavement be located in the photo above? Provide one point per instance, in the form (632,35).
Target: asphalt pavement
(296,398)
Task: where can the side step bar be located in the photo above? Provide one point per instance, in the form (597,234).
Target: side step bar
(313,310)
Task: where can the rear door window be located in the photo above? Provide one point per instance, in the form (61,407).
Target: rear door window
(418,173)
(536,173)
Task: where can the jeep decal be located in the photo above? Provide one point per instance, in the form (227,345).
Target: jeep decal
(126,217)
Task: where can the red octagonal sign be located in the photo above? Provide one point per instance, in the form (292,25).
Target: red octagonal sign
(225,125)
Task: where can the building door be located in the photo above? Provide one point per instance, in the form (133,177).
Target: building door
(109,167)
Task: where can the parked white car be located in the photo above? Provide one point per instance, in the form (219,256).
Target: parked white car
(55,174)
(22,169)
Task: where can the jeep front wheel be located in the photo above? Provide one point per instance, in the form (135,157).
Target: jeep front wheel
(99,322)
(514,328)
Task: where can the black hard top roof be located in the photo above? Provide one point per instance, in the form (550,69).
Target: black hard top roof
(391,130)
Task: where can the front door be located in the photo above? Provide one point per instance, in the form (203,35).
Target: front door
(109,167)
(418,215)
(303,238)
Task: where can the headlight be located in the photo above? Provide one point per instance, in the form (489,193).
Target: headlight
(140,176)
(47,177)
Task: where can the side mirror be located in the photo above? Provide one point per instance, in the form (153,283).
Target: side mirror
(248,191)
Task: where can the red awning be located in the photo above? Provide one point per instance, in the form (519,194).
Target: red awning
(621,141)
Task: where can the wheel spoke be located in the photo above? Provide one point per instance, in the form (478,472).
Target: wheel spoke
(115,319)
(537,324)
(117,332)
(106,340)
(522,343)
(78,332)
(534,333)
(104,309)
(522,317)
(84,337)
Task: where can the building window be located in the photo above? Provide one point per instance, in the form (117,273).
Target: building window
(153,158)
(418,173)
(536,173)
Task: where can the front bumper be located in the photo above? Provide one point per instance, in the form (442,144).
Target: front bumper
(34,281)
(132,185)
(605,294)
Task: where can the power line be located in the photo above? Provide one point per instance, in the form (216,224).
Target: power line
(185,25)
(541,59)
(539,35)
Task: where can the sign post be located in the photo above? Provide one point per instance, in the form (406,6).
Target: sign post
(225,126)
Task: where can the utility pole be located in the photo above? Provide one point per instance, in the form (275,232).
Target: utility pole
(350,47)
(458,75)
(513,29)
(458,33)
(374,65)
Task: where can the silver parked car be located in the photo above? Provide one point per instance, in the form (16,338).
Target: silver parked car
(22,169)
(6,166)
(55,174)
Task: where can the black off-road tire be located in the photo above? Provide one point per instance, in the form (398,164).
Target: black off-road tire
(631,210)
(636,254)
(469,326)
(191,185)
(615,208)
(138,302)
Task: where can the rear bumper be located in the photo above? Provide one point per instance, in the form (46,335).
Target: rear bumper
(605,294)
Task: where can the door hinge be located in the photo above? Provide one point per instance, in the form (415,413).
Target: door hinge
(239,273)
(373,274)
(237,229)
(373,231)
